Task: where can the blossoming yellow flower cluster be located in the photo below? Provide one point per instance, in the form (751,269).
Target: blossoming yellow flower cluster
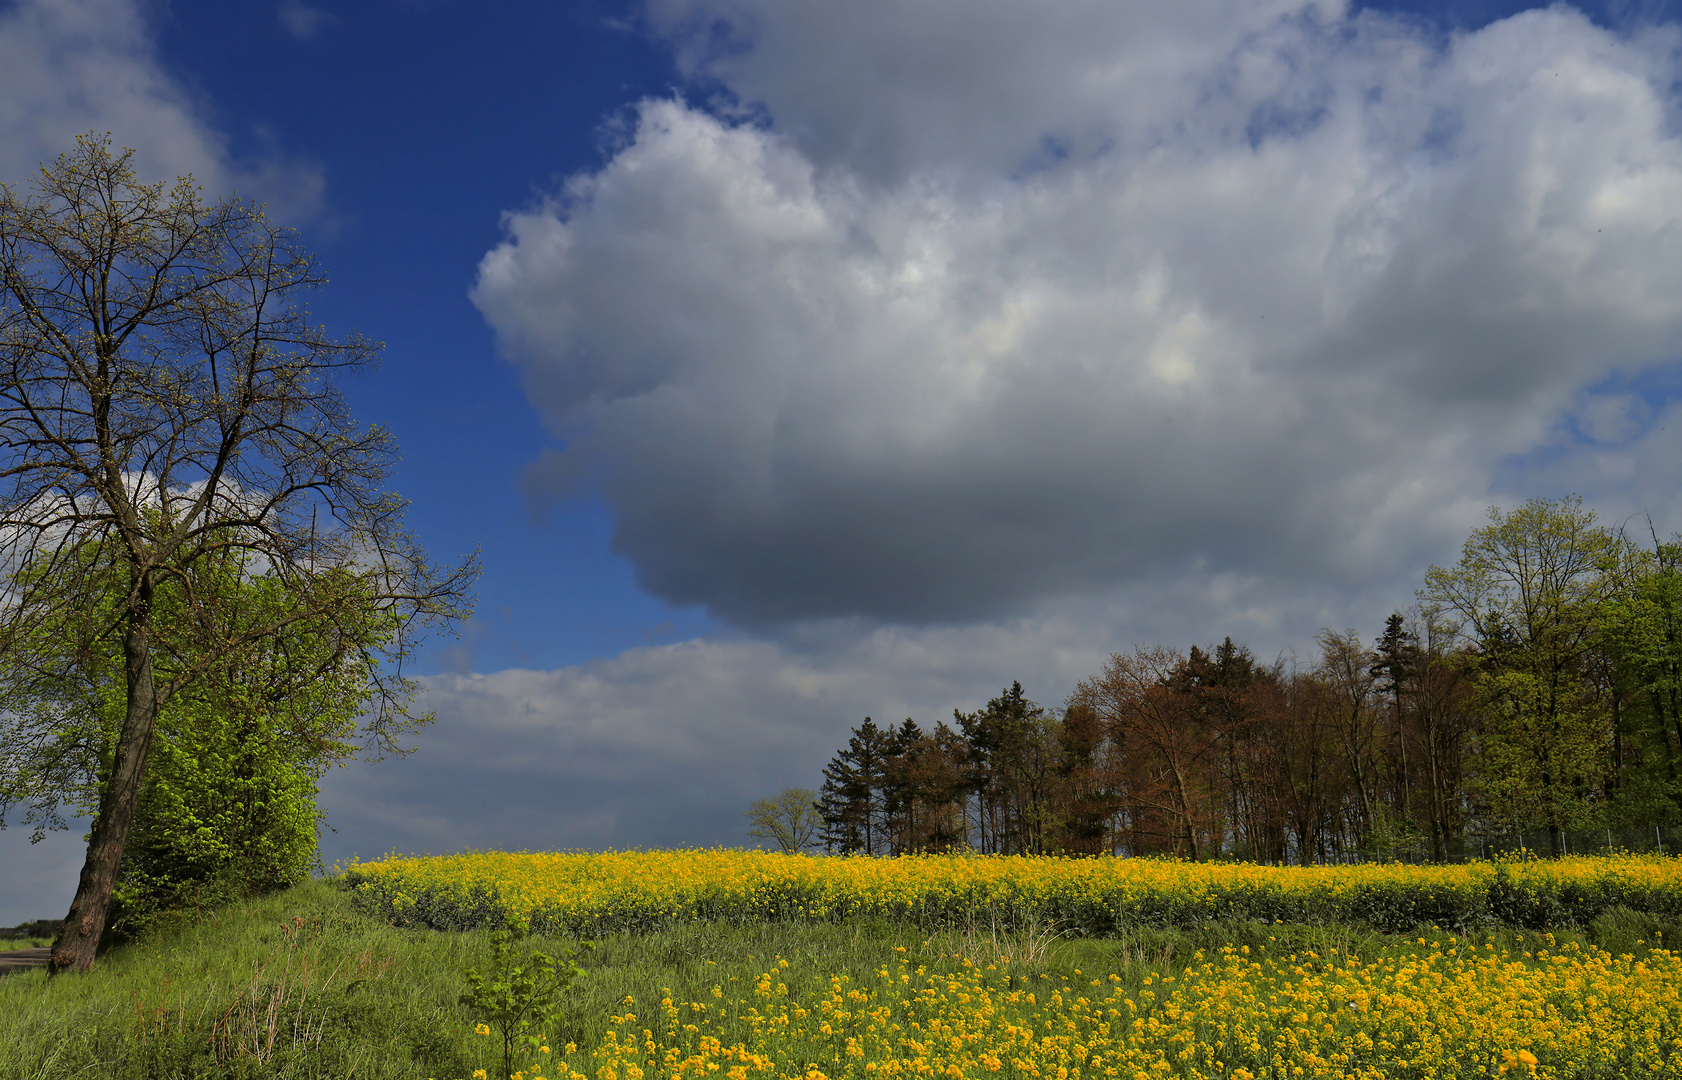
(1453,1009)
(588,894)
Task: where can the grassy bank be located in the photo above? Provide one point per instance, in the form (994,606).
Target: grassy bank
(302,984)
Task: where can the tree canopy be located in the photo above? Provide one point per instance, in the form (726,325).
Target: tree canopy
(1536,688)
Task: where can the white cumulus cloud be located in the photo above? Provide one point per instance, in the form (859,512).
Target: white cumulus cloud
(919,321)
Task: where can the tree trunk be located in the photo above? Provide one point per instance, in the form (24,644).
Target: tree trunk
(1190,831)
(78,941)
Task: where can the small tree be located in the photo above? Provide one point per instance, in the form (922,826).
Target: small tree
(790,818)
(523,999)
(165,405)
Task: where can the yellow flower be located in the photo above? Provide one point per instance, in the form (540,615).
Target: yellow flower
(479,1074)
(1278,1016)
(482,1029)
(1511,1060)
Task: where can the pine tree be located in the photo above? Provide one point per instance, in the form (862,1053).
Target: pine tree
(852,799)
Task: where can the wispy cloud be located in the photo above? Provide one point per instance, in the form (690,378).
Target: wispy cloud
(304,22)
(68,67)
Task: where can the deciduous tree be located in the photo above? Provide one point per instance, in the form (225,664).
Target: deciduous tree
(1642,638)
(790,818)
(1171,746)
(165,403)
(1528,588)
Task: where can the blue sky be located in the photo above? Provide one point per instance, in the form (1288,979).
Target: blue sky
(789,363)
(427,121)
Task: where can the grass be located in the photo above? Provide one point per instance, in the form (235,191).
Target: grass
(301,985)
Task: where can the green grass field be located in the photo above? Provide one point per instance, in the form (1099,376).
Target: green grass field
(299,984)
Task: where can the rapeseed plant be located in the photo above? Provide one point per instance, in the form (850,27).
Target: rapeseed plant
(591,894)
(1437,1012)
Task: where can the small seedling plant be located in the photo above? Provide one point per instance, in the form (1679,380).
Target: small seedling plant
(523,997)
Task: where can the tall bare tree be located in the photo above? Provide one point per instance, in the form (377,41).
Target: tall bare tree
(164,402)
(1346,671)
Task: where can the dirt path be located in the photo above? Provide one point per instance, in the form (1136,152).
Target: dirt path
(22,960)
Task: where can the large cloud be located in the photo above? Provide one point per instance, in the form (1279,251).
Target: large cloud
(928,324)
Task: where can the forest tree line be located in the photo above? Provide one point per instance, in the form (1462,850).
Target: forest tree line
(1535,686)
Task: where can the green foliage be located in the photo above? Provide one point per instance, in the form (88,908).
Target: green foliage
(227,807)
(523,999)
(1543,748)
(1530,587)
(228,810)
(1641,633)
(1389,835)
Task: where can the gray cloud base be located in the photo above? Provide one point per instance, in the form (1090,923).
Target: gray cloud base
(1284,296)
(666,746)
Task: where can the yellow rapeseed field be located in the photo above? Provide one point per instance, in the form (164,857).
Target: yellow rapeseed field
(588,894)
(1438,1010)
(1429,1007)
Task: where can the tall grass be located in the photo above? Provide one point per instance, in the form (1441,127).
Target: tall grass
(294,984)
(300,984)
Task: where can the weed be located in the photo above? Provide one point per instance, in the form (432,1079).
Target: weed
(991,945)
(522,1000)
